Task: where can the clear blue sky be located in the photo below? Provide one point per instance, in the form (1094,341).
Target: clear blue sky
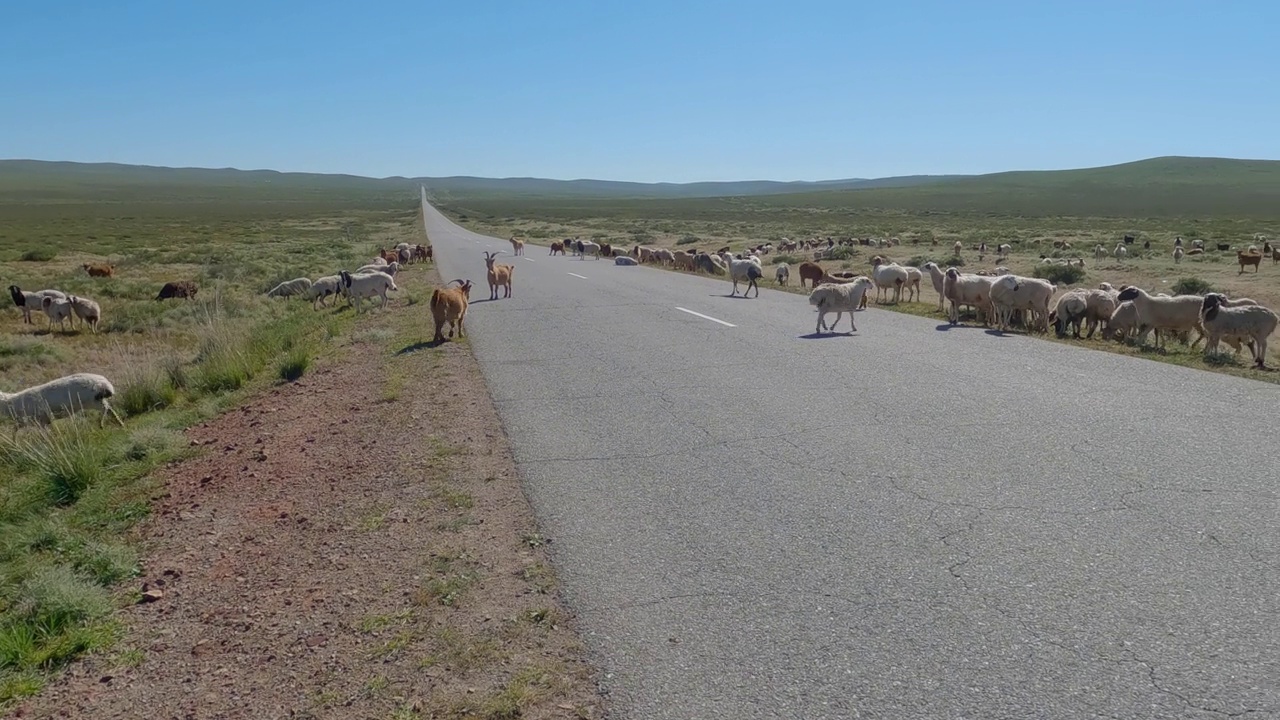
(650,91)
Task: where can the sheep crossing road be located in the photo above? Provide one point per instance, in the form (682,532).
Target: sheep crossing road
(913,522)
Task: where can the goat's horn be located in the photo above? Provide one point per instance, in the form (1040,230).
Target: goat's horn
(459,281)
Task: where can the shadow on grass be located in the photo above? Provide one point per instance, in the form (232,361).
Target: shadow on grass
(421,345)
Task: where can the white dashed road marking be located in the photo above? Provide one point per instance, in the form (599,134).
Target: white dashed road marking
(584,277)
(705,317)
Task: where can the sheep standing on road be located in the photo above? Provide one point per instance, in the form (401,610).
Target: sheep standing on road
(748,271)
(782,273)
(517,246)
(58,398)
(839,298)
(1245,321)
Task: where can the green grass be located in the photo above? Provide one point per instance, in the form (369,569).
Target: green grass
(69,494)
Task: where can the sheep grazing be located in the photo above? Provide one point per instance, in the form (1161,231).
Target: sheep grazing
(289,288)
(1248,257)
(30,301)
(390,268)
(1177,255)
(88,311)
(1123,322)
(1010,293)
(449,305)
(322,288)
(1068,312)
(663,256)
(781,273)
(99,269)
(971,290)
(500,276)
(1082,305)
(59,398)
(557,247)
(839,298)
(367,285)
(685,260)
(1169,314)
(517,246)
(710,264)
(58,310)
(181,289)
(1252,322)
(888,276)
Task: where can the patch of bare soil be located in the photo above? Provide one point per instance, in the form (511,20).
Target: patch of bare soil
(352,545)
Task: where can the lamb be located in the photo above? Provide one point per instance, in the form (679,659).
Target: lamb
(367,285)
(289,288)
(1246,258)
(87,310)
(1176,314)
(1069,312)
(1177,255)
(99,269)
(322,288)
(449,305)
(914,277)
(937,276)
(1247,321)
(888,276)
(57,309)
(29,301)
(748,271)
(839,298)
(972,290)
(181,289)
(500,276)
(58,398)
(812,272)
(781,273)
(1123,322)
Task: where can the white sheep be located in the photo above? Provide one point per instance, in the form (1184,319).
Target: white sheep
(57,309)
(58,398)
(748,271)
(663,256)
(914,277)
(886,276)
(957,248)
(1177,255)
(322,288)
(29,301)
(1106,287)
(289,288)
(972,290)
(588,248)
(839,298)
(367,285)
(390,268)
(1004,250)
(379,261)
(1123,322)
(1011,293)
(1246,321)
(87,310)
(937,276)
(1099,252)
(782,273)
(1174,314)
(1121,251)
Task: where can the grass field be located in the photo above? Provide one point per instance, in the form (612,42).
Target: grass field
(69,495)
(929,234)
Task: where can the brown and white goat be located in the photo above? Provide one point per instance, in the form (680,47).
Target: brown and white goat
(499,276)
(517,245)
(449,305)
(99,269)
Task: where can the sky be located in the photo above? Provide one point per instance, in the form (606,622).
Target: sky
(651,91)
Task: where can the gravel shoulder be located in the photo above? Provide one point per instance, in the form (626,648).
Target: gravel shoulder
(354,544)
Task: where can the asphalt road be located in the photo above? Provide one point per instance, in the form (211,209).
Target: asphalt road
(912,522)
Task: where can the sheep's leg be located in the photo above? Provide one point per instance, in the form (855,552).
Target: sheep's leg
(819,327)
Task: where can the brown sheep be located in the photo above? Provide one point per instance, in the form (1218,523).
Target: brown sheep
(449,305)
(1246,258)
(812,272)
(100,270)
(182,289)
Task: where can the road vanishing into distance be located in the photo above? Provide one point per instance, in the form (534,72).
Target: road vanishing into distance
(915,521)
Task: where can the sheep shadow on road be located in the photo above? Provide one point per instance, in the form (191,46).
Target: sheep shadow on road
(948,327)
(825,335)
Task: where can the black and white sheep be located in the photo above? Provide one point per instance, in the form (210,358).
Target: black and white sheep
(748,271)
(32,301)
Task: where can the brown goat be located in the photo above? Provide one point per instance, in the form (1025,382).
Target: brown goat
(449,305)
(517,245)
(1246,258)
(499,276)
(812,272)
(421,253)
(100,269)
(181,289)
(557,247)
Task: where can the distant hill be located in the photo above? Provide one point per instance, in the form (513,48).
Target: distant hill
(1158,187)
(475,187)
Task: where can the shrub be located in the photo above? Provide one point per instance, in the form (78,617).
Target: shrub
(295,364)
(1191,286)
(1060,274)
(789,259)
(39,255)
(842,252)
(689,240)
(147,391)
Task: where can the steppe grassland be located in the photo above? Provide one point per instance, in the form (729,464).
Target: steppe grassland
(708,224)
(69,494)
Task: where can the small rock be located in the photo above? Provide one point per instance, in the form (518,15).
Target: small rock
(150,596)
